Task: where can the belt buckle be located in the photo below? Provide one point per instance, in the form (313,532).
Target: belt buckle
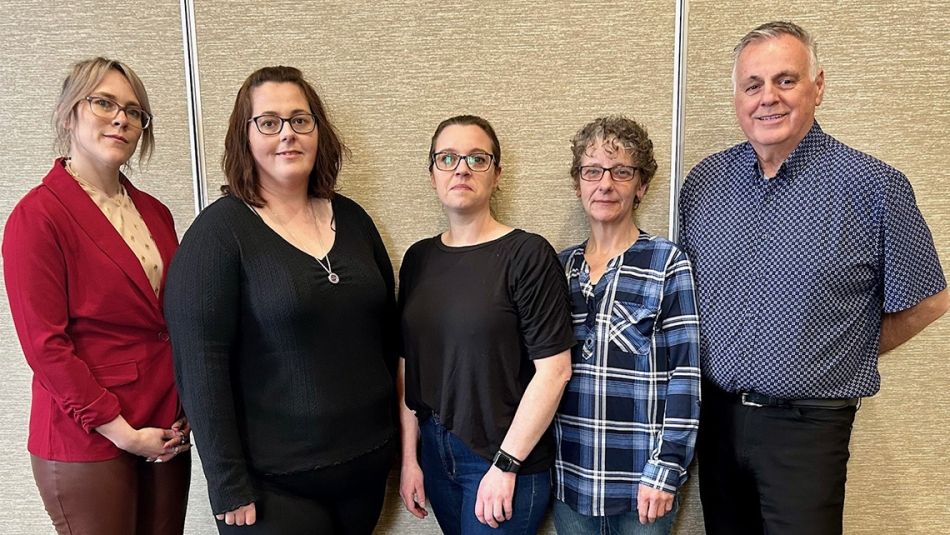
(744,399)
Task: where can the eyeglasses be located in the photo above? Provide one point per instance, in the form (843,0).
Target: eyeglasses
(620,173)
(109,109)
(448,161)
(271,125)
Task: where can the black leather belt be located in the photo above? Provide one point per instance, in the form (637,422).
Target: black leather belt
(751,399)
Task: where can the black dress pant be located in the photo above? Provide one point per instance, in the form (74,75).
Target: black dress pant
(342,499)
(772,470)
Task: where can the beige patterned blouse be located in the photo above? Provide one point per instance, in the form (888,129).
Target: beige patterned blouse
(121,212)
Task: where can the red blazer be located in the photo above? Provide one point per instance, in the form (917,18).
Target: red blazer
(88,320)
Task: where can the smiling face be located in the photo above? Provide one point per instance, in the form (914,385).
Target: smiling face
(100,142)
(464,190)
(775,98)
(608,201)
(287,157)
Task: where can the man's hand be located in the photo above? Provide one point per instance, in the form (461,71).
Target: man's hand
(494,500)
(653,504)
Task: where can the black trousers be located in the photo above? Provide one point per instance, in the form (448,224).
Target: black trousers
(770,470)
(343,499)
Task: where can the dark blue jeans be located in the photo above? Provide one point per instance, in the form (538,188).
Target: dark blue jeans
(569,522)
(452,473)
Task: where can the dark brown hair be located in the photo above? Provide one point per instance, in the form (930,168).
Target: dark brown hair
(467,120)
(238,161)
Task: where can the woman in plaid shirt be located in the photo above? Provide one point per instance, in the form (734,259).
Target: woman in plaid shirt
(626,427)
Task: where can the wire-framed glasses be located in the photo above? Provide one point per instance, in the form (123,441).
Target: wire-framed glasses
(271,125)
(620,173)
(107,108)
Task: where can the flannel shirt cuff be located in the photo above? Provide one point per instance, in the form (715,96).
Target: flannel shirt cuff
(661,476)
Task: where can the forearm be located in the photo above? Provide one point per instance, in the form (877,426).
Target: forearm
(118,431)
(899,327)
(35,273)
(538,405)
(408,423)
(677,342)
(208,397)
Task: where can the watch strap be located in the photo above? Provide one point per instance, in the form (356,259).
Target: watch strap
(506,462)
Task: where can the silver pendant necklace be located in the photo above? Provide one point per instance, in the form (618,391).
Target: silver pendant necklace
(331,276)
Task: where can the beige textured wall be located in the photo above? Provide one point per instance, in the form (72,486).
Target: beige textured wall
(39,41)
(887,77)
(389,72)
(549,67)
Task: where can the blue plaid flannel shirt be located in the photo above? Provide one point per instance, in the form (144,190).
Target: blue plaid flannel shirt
(630,413)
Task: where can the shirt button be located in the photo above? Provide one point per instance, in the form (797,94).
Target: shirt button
(163,336)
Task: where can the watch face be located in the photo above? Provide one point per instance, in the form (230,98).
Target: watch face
(505,463)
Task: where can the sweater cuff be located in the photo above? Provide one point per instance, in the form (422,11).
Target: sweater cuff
(226,498)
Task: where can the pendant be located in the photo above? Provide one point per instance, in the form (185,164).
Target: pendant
(333,278)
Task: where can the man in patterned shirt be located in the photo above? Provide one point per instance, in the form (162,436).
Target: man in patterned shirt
(811,260)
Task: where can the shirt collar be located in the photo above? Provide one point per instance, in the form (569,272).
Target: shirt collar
(810,145)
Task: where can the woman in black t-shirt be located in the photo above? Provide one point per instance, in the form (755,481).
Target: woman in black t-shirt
(486,337)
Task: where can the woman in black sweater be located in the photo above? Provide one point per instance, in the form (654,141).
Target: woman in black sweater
(281,309)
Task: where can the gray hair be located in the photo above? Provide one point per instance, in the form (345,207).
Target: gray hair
(774,30)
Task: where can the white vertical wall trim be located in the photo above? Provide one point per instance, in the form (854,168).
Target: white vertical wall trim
(193,92)
(679,113)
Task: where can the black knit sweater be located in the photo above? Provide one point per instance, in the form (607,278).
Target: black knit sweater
(279,370)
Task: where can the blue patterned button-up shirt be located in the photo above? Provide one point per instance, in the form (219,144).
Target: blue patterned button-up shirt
(631,410)
(794,272)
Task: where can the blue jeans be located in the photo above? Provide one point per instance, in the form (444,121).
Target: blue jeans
(569,522)
(452,473)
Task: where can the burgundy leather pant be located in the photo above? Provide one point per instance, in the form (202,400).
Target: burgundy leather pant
(123,496)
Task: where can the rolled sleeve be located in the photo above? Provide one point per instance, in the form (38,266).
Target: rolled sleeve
(35,274)
(679,335)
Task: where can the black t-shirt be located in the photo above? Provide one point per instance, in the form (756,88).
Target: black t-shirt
(279,370)
(473,319)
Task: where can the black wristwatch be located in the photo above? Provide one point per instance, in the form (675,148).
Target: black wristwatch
(505,462)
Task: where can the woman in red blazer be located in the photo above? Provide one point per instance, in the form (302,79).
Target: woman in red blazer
(84,257)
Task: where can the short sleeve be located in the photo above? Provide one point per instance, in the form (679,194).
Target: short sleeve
(540,292)
(911,268)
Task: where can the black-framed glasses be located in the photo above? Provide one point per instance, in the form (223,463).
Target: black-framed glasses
(448,161)
(107,108)
(620,173)
(271,125)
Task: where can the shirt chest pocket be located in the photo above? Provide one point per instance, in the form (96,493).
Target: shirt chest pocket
(631,327)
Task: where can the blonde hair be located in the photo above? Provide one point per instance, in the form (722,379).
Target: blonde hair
(82,80)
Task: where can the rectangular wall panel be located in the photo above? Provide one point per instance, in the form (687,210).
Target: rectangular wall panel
(40,41)
(389,72)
